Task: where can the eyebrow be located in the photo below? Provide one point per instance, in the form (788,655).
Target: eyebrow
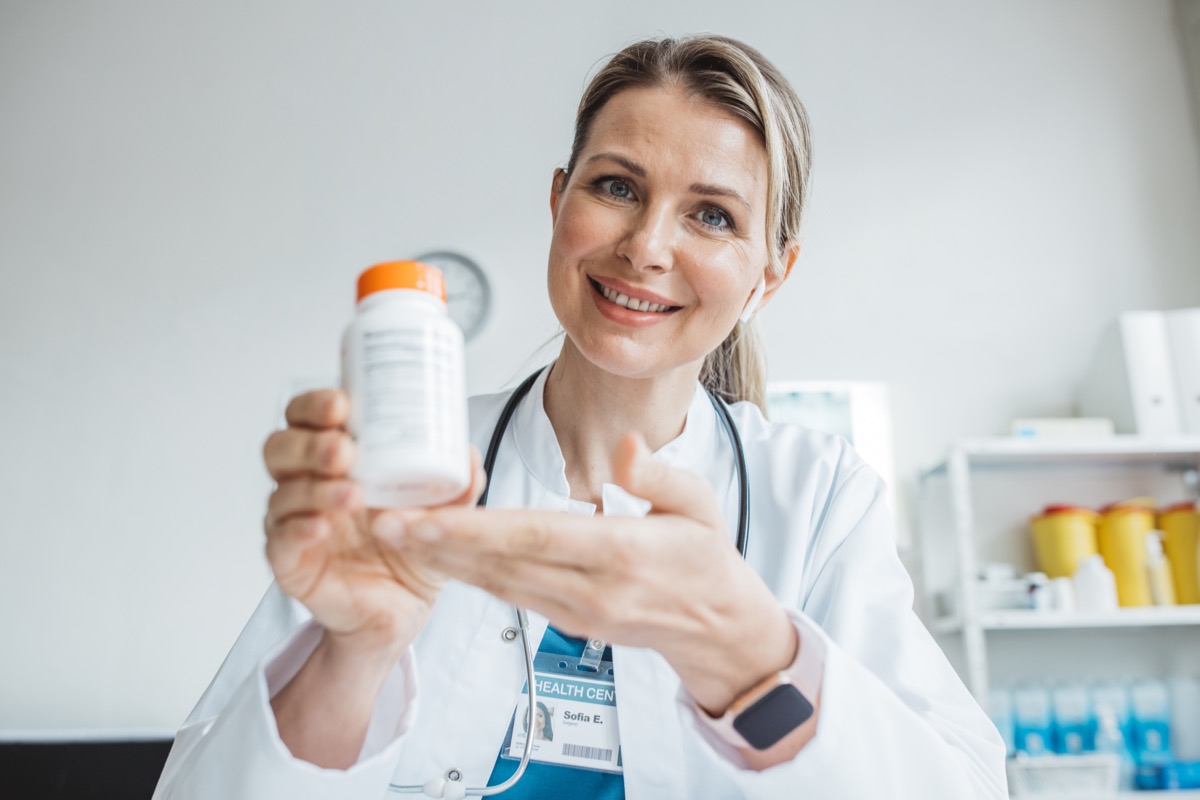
(704,189)
(634,167)
(709,190)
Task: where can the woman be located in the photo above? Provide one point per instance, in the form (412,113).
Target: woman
(799,669)
(542,729)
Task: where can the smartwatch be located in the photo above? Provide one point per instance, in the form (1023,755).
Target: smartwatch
(765,714)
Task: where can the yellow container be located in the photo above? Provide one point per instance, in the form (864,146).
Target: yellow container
(1121,534)
(1180,525)
(1062,537)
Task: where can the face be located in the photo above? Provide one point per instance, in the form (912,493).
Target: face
(659,233)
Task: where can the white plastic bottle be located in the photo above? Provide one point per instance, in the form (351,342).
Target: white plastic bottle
(1095,587)
(1158,571)
(402,365)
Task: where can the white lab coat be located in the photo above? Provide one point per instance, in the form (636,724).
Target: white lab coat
(895,720)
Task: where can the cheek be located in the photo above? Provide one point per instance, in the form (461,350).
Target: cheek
(584,230)
(722,286)
(580,237)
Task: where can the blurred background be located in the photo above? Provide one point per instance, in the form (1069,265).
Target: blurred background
(188,191)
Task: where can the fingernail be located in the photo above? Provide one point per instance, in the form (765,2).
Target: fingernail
(390,528)
(427,531)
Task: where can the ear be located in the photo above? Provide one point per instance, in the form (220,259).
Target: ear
(790,254)
(557,184)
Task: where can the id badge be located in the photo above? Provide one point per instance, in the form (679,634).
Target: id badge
(575,719)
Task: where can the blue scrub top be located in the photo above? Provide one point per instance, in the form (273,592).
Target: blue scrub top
(553,781)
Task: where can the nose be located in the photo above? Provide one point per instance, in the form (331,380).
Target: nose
(649,240)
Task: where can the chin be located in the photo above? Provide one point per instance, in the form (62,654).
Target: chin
(623,358)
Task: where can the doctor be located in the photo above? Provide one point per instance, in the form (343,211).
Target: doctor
(384,655)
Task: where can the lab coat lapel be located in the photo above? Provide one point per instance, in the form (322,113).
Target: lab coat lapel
(651,737)
(464,660)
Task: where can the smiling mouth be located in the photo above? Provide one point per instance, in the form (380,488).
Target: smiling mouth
(613,296)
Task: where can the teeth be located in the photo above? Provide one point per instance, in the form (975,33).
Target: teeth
(635,305)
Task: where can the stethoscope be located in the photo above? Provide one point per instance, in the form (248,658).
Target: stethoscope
(451,786)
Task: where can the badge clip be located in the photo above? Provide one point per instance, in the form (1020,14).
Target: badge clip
(593,654)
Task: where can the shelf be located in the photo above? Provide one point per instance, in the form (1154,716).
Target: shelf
(1013,451)
(1050,620)
(1185,794)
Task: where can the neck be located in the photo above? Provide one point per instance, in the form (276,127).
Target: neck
(591,409)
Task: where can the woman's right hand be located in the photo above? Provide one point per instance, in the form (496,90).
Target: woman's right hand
(319,542)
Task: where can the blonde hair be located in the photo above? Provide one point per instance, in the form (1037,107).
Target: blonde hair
(738,79)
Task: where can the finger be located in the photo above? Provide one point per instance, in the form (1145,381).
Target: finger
(552,537)
(575,602)
(669,490)
(295,451)
(307,496)
(322,408)
(553,591)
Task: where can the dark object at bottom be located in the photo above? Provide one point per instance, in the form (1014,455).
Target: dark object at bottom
(81,770)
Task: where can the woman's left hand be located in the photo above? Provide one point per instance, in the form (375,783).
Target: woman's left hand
(670,581)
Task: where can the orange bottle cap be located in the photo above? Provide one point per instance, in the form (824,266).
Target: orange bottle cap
(1187,505)
(402,275)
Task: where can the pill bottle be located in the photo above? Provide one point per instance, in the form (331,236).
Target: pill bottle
(402,365)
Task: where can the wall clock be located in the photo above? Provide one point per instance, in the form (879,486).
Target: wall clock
(468,292)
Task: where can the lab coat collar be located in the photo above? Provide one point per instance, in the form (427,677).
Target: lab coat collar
(540,452)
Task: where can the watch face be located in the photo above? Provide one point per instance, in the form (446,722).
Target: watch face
(773,716)
(468,294)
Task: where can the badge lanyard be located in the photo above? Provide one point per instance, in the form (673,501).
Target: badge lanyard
(441,787)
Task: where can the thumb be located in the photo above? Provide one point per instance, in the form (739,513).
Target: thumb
(669,490)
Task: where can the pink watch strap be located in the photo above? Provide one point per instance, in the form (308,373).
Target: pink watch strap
(805,673)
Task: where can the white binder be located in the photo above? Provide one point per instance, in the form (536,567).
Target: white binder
(1132,380)
(1183,331)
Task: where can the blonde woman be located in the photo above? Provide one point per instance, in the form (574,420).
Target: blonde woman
(626,478)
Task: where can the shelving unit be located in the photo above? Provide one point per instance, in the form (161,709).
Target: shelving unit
(1037,458)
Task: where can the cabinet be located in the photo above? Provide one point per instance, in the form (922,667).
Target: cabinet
(955,541)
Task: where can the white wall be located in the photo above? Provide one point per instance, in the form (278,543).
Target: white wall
(188,190)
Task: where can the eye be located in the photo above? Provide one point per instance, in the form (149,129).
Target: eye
(714,217)
(616,188)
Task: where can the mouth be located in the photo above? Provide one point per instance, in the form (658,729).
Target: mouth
(633,304)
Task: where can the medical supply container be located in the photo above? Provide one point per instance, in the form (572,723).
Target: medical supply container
(1033,720)
(1074,726)
(1180,525)
(1121,535)
(1151,714)
(402,365)
(1063,536)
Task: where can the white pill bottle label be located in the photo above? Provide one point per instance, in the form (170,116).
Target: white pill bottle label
(402,365)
